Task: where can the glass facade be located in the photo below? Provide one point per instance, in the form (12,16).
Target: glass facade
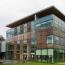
(46,37)
(31,26)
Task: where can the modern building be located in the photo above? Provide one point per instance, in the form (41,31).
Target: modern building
(40,36)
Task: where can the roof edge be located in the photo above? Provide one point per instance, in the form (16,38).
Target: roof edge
(44,12)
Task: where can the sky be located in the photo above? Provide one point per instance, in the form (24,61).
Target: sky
(12,10)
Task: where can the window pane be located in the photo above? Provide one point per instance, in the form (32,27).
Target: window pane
(50,39)
(56,39)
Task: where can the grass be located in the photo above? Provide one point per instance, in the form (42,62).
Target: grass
(36,63)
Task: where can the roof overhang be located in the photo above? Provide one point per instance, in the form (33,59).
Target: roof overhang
(42,13)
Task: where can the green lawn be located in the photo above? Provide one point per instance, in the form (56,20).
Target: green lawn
(36,63)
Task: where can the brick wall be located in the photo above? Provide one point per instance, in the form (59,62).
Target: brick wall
(41,38)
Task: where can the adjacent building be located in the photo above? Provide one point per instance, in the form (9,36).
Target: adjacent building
(40,36)
(2,48)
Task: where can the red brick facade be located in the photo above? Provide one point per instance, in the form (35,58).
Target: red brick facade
(41,39)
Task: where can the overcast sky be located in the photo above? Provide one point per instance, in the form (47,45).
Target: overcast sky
(12,10)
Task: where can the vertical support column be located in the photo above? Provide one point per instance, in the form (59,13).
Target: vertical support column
(29,41)
(28,52)
(21,51)
(7,51)
(14,53)
(52,59)
(35,17)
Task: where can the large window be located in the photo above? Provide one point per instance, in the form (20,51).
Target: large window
(56,39)
(29,27)
(44,24)
(33,39)
(10,47)
(49,39)
(58,23)
(62,41)
(32,25)
(18,30)
(21,29)
(8,33)
(15,31)
(25,28)
(10,55)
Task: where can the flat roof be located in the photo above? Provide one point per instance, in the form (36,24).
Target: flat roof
(42,13)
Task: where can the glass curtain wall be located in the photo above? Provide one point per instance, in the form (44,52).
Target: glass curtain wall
(42,26)
(55,46)
(59,45)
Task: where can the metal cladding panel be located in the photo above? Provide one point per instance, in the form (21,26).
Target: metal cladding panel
(3,46)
